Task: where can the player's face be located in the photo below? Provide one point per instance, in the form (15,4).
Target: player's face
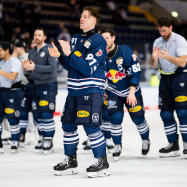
(39,37)
(18,50)
(109,40)
(2,53)
(165,32)
(87,22)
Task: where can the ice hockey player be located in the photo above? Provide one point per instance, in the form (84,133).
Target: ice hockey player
(85,62)
(123,75)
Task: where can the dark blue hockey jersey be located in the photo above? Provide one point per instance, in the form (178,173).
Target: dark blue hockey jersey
(123,70)
(86,65)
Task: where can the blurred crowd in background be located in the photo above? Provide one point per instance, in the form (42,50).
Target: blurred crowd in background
(19,18)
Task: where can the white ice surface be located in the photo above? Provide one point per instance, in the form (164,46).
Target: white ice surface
(27,169)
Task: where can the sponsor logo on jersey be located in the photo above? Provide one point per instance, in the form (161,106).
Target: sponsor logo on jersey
(43,103)
(34,105)
(119,61)
(23,102)
(134,57)
(95,117)
(9,110)
(106,102)
(181,99)
(82,40)
(115,76)
(42,54)
(86,98)
(112,104)
(17,113)
(51,106)
(82,113)
(99,53)
(45,92)
(182,84)
(135,109)
(11,100)
(110,60)
(87,44)
(77,53)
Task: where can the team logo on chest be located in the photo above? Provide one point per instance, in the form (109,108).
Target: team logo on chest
(42,54)
(119,60)
(87,44)
(115,76)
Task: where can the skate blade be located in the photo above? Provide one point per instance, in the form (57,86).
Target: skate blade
(102,173)
(70,171)
(47,152)
(116,158)
(6,142)
(1,150)
(171,154)
(13,151)
(109,151)
(38,151)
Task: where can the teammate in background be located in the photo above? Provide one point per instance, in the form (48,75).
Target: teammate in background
(10,92)
(33,44)
(123,75)
(41,67)
(28,94)
(170,51)
(84,60)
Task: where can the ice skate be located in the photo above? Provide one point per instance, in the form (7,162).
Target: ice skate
(172,150)
(185,149)
(1,147)
(67,167)
(14,147)
(109,144)
(117,152)
(6,141)
(39,147)
(22,140)
(47,146)
(145,146)
(99,169)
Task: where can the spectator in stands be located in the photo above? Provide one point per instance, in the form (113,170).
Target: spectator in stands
(64,35)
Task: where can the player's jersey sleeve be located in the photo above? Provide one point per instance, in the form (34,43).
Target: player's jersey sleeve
(95,55)
(133,66)
(181,46)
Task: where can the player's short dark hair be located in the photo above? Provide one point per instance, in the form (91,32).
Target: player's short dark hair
(93,12)
(111,31)
(6,45)
(164,21)
(41,28)
(21,44)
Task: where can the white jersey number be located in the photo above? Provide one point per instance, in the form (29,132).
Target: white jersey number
(91,57)
(136,68)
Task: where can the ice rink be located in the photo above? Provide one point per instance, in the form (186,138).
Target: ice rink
(27,169)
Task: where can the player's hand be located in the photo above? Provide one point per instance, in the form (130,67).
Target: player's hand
(105,96)
(155,52)
(53,51)
(131,100)
(163,54)
(30,66)
(65,47)
(25,63)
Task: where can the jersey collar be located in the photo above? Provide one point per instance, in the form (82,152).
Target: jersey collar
(89,33)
